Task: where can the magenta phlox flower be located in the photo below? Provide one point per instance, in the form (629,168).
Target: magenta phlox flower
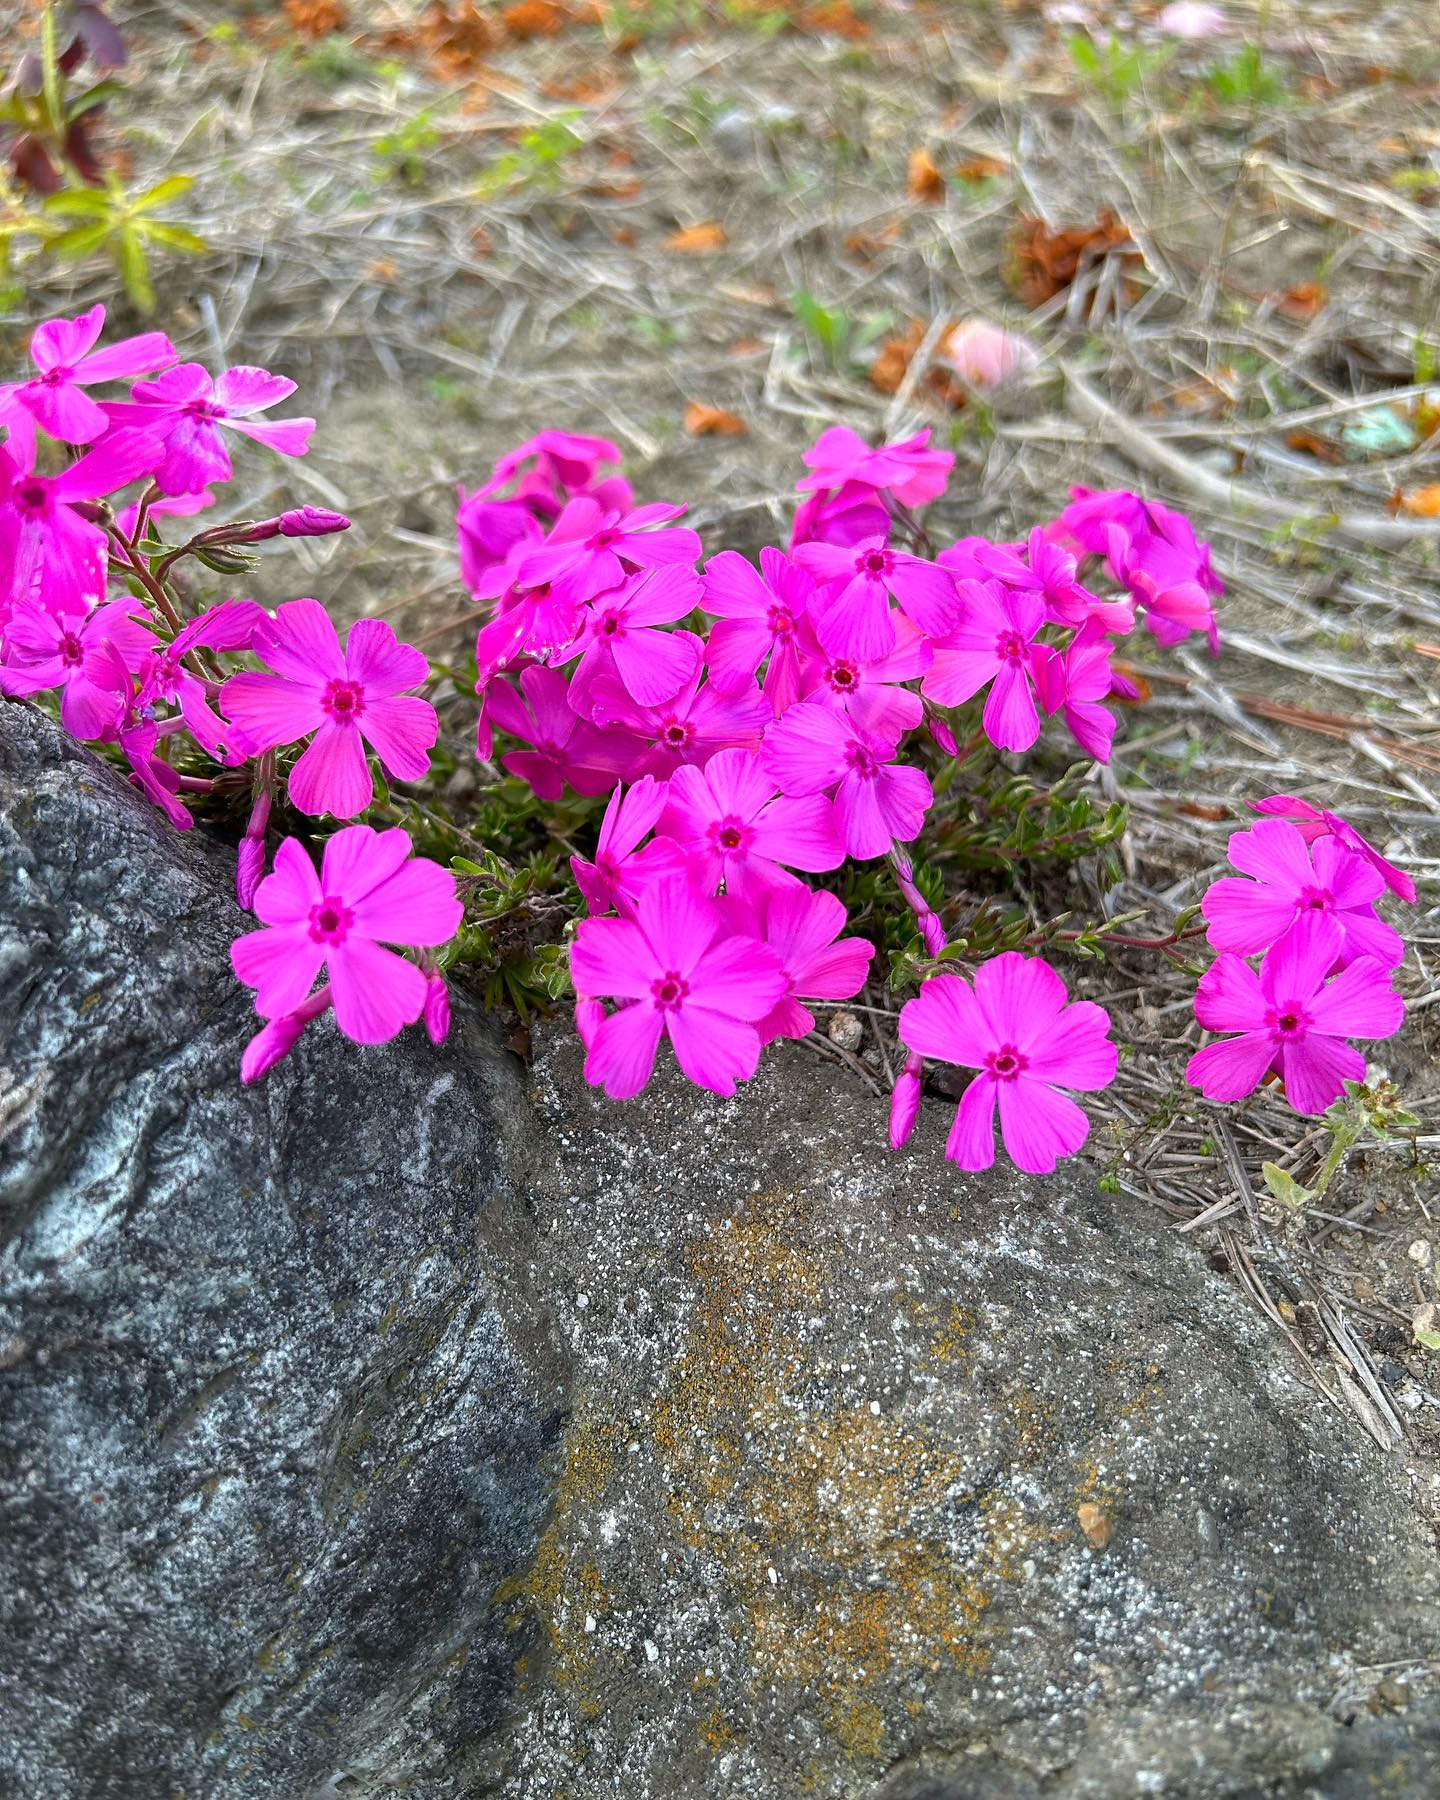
(528,622)
(1018,1030)
(347,699)
(592,549)
(869,692)
(155,778)
(996,645)
(1051,570)
(493,535)
(622,869)
(50,551)
(738,830)
(66,363)
(1315,822)
(853,512)
(760,613)
(1166,584)
(683,978)
(90,661)
(619,637)
(165,676)
(564,748)
(801,926)
(1074,681)
(687,728)
(563,464)
(1292,880)
(909,469)
(850,612)
(370,892)
(191,412)
(878,801)
(1290,1020)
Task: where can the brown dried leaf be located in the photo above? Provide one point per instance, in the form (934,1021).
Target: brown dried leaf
(1423,503)
(698,240)
(892,364)
(924,181)
(1310,443)
(1042,263)
(315,18)
(1303,301)
(712,421)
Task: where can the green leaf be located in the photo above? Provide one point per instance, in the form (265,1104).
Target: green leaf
(80,240)
(173,237)
(80,203)
(1285,1188)
(134,267)
(163,193)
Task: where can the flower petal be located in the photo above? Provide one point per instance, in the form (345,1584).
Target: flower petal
(971,1143)
(622,1052)
(376,992)
(1039,1125)
(332,774)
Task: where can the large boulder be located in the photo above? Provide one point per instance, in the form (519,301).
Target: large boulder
(275,1397)
(403,1427)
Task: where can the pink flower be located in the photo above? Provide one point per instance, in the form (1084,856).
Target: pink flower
(801,926)
(165,676)
(90,662)
(687,728)
(563,747)
(618,638)
(490,533)
(1016,1028)
(685,980)
(528,622)
(436,1010)
(1193,19)
(564,461)
(851,612)
(760,616)
(1290,1020)
(55,398)
(1291,882)
(877,801)
(1051,571)
(867,691)
(347,699)
(994,644)
(190,411)
(370,892)
(913,472)
(618,874)
(852,512)
(593,548)
(1314,822)
(275,1040)
(1076,680)
(49,550)
(986,356)
(734,828)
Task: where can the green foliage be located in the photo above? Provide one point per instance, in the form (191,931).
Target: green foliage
(1006,818)
(403,154)
(1116,70)
(1247,80)
(839,337)
(537,157)
(110,220)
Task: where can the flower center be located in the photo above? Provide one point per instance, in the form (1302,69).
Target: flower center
(1288,1021)
(204,409)
(53,378)
(612,625)
(330,921)
(32,496)
(669,991)
(344,701)
(728,834)
(1313,899)
(677,734)
(843,677)
(72,651)
(779,621)
(604,540)
(859,759)
(874,562)
(1010,647)
(1006,1063)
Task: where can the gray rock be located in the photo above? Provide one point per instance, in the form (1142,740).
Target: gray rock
(274,1398)
(395,1429)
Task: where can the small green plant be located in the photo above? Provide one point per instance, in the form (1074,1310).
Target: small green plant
(839,336)
(1114,69)
(1247,80)
(1367,1111)
(537,157)
(108,219)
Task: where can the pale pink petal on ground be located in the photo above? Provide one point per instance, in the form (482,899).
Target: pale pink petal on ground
(376,992)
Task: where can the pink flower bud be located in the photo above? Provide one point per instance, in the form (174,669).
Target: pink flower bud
(270,1045)
(436,1010)
(589,1017)
(905,1104)
(942,734)
(312,521)
(249,870)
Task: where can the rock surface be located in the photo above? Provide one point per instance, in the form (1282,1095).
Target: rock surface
(390,1429)
(274,1399)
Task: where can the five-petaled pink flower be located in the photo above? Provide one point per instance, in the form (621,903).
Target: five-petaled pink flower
(369,892)
(190,411)
(1016,1028)
(729,819)
(344,697)
(619,636)
(683,979)
(1074,681)
(592,549)
(910,469)
(620,869)
(801,926)
(1291,1020)
(66,363)
(90,661)
(877,800)
(851,610)
(1315,822)
(869,690)
(995,644)
(1292,880)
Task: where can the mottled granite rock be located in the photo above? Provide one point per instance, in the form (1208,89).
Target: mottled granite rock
(274,1394)
(882,1480)
(397,1429)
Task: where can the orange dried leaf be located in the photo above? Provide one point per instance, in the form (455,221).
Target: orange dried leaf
(981,168)
(1043,262)
(835,17)
(534,19)
(315,18)
(1423,503)
(712,421)
(1310,443)
(1136,680)
(698,240)
(892,364)
(1303,301)
(924,180)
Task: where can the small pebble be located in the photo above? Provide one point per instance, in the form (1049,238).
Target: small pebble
(1096,1524)
(845,1031)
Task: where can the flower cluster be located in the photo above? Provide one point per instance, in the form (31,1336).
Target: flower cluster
(1304,902)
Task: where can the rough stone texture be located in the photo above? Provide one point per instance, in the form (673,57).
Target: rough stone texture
(274,1397)
(392,1430)
(838,1422)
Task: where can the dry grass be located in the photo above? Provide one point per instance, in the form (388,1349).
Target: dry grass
(442,288)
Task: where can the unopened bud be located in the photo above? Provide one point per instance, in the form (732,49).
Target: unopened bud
(436,1010)
(249,870)
(312,521)
(905,1104)
(270,1045)
(942,734)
